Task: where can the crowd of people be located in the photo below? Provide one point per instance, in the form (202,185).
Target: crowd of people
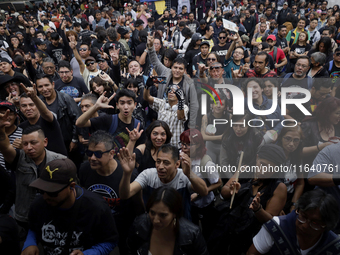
(108,144)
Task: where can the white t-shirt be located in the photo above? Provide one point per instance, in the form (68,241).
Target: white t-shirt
(263,241)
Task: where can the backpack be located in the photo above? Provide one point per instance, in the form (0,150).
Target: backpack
(282,68)
(309,80)
(114,123)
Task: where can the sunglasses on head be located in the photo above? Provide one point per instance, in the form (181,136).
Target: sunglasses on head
(97,154)
(53,194)
(90,63)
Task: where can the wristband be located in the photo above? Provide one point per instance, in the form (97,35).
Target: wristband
(180,105)
(336,180)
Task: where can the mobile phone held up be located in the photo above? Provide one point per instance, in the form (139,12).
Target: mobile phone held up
(159,79)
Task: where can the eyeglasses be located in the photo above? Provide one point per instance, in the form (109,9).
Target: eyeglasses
(82,49)
(289,139)
(215,68)
(222,37)
(90,63)
(53,194)
(211,59)
(97,154)
(294,8)
(303,66)
(65,72)
(184,145)
(49,67)
(314,225)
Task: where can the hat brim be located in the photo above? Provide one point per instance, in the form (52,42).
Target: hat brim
(47,186)
(7,79)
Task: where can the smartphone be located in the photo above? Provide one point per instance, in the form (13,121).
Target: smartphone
(159,79)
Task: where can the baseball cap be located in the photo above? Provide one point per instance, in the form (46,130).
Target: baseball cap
(40,42)
(8,105)
(89,58)
(174,8)
(197,36)
(111,45)
(161,28)
(7,78)
(324,13)
(271,37)
(205,43)
(56,174)
(245,38)
(122,31)
(285,3)
(125,5)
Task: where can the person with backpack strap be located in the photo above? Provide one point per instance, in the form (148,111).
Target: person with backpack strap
(277,54)
(117,125)
(306,230)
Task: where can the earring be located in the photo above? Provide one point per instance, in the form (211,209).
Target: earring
(174,221)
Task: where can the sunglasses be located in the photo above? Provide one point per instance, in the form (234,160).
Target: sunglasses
(211,59)
(90,63)
(222,37)
(337,54)
(97,154)
(82,49)
(53,194)
(215,68)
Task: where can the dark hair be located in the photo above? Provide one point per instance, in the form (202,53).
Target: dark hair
(168,148)
(170,54)
(54,36)
(100,82)
(327,43)
(35,128)
(263,53)
(219,18)
(216,55)
(194,136)
(64,63)
(246,82)
(125,93)
(171,198)
(92,97)
(295,156)
(304,57)
(182,24)
(207,28)
(151,127)
(180,61)
(323,111)
(337,49)
(186,32)
(132,81)
(42,76)
(223,32)
(84,24)
(101,35)
(326,203)
(322,83)
(101,136)
(281,27)
(112,34)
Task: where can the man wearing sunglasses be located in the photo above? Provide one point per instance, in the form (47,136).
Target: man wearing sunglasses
(102,175)
(333,68)
(222,47)
(130,10)
(84,52)
(306,230)
(66,219)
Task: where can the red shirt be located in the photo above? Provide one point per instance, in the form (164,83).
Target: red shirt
(252,73)
(280,55)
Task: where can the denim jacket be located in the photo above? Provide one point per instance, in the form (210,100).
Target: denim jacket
(26,172)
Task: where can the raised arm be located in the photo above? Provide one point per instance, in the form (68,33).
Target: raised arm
(146,94)
(45,113)
(160,69)
(128,162)
(77,56)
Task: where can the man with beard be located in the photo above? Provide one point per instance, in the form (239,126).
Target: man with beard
(293,35)
(258,37)
(73,86)
(277,54)
(313,31)
(208,36)
(192,23)
(201,58)
(83,223)
(222,47)
(281,40)
(299,78)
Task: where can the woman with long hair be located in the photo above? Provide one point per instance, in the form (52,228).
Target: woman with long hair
(157,134)
(320,128)
(290,139)
(324,45)
(298,49)
(98,86)
(192,50)
(239,138)
(163,229)
(202,208)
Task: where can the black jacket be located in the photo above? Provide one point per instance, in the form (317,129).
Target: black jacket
(67,115)
(281,17)
(189,240)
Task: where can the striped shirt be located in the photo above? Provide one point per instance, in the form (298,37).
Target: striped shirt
(16,134)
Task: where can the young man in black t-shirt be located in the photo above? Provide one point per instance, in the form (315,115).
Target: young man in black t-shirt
(222,47)
(333,68)
(117,124)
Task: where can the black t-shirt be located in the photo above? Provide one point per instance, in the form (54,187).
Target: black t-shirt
(299,50)
(121,136)
(173,21)
(108,188)
(93,223)
(221,51)
(55,140)
(54,106)
(165,21)
(75,88)
(189,55)
(292,82)
(334,73)
(281,42)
